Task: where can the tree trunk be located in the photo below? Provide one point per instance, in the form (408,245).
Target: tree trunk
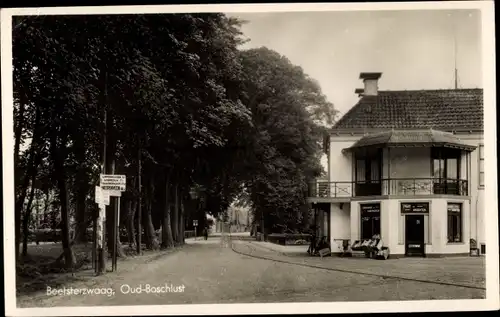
(18,130)
(81,218)
(139,199)
(32,168)
(120,253)
(82,181)
(150,230)
(145,205)
(181,222)
(21,198)
(27,215)
(175,216)
(60,176)
(167,237)
(131,205)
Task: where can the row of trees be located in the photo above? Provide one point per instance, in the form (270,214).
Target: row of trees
(178,108)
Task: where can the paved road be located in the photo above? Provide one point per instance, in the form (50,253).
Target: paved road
(211,272)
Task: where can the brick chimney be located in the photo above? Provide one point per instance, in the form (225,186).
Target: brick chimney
(371,83)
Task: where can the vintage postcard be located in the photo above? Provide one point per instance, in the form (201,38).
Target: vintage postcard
(244,159)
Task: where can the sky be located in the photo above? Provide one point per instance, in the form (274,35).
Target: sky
(413,49)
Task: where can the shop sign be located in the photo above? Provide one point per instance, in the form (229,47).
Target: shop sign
(370,208)
(422,208)
(455,208)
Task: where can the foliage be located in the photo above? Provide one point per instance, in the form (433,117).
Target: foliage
(175,91)
(287,107)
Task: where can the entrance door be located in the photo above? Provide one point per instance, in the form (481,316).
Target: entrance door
(414,236)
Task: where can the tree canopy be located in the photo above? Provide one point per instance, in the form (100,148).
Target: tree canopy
(207,121)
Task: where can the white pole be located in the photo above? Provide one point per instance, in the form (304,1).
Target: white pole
(117,241)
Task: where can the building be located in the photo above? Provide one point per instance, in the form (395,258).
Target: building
(408,165)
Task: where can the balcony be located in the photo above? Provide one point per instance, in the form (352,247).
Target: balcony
(390,186)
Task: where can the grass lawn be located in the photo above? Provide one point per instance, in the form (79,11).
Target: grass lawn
(38,268)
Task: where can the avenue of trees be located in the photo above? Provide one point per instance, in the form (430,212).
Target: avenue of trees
(179,108)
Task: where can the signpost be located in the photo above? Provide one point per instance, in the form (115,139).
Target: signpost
(195,224)
(114,185)
(113,182)
(110,186)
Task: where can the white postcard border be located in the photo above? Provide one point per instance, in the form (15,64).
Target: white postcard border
(488,65)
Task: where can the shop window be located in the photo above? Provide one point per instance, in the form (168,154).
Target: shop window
(481,165)
(455,222)
(370,220)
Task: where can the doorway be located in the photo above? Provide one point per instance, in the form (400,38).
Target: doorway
(414,235)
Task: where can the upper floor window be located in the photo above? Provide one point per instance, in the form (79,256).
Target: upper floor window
(481,165)
(445,163)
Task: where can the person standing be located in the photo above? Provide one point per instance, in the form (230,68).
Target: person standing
(312,245)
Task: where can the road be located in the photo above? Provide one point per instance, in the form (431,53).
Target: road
(212,272)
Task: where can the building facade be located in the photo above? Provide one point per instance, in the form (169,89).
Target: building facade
(408,165)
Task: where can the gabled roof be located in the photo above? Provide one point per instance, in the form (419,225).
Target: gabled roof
(446,110)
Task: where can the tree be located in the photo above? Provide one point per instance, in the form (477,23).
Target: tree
(287,109)
(173,94)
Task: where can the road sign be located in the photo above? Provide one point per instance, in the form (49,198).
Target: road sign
(113,182)
(195,223)
(101,196)
(105,197)
(114,187)
(115,193)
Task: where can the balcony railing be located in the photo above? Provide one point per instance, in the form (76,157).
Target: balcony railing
(331,189)
(391,186)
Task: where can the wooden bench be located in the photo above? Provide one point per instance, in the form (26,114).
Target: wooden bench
(324,252)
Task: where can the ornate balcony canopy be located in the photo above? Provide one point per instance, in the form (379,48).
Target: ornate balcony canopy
(410,138)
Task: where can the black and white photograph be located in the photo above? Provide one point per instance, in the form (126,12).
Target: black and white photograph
(266,158)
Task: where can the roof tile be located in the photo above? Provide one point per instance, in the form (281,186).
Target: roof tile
(444,110)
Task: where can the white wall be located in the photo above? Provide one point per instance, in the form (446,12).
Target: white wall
(439,228)
(478,210)
(340,226)
(355,221)
(477,206)
(341,163)
(395,242)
